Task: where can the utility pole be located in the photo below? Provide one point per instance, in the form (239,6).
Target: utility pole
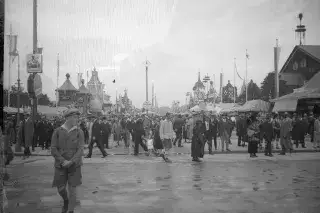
(35,51)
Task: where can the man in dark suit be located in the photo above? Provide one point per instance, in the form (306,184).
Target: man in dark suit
(214,130)
(267,133)
(106,130)
(177,127)
(241,128)
(96,138)
(208,133)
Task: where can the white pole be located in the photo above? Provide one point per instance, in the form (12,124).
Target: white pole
(58,70)
(234,81)
(9,74)
(246,78)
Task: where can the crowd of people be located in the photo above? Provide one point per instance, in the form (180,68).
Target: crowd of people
(154,133)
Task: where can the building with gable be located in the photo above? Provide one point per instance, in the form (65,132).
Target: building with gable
(66,93)
(301,65)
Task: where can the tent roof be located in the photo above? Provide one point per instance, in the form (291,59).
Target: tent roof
(83,89)
(314,82)
(255,106)
(310,90)
(67,86)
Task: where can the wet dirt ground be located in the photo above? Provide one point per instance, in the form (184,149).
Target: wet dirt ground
(221,183)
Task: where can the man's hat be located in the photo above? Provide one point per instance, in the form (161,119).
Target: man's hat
(71,112)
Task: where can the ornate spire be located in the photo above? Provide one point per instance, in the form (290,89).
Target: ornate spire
(199,76)
(68,76)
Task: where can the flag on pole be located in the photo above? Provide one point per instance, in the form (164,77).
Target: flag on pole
(13,45)
(13,39)
(237,72)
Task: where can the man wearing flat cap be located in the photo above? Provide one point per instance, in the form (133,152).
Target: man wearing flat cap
(67,145)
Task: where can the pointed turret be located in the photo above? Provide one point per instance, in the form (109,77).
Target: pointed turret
(198,85)
(83,89)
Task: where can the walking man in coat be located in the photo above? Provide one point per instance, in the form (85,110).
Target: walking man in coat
(224,133)
(96,138)
(241,127)
(267,134)
(208,134)
(67,148)
(28,133)
(285,136)
(214,130)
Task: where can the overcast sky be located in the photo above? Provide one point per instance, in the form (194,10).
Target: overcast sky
(178,38)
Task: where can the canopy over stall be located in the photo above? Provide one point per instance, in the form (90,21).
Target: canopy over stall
(205,108)
(12,110)
(254,106)
(287,103)
(285,106)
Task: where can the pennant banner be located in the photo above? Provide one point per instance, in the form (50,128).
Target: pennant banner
(237,72)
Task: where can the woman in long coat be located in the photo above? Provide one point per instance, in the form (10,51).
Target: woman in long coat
(157,143)
(253,133)
(297,131)
(197,143)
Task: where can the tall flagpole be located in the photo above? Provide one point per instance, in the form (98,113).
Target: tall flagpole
(234,81)
(276,71)
(246,78)
(221,86)
(58,70)
(9,74)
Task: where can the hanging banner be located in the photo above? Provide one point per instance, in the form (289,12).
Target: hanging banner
(34,63)
(13,39)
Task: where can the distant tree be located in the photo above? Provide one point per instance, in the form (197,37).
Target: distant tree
(268,87)
(24,98)
(254,93)
(44,100)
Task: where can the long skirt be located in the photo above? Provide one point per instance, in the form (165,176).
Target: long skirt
(253,147)
(157,143)
(197,147)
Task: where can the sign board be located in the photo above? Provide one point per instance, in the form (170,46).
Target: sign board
(34,63)
(147,105)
